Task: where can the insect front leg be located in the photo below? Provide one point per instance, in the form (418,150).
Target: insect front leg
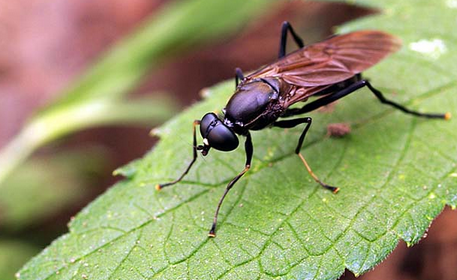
(249,151)
(194,148)
(286,26)
(308,121)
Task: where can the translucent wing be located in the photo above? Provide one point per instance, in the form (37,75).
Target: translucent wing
(336,59)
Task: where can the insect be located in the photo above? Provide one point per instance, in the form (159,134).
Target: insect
(328,70)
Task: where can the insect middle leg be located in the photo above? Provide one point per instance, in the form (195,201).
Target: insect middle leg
(327,99)
(293,123)
(286,26)
(249,151)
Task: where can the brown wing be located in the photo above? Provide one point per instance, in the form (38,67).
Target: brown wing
(317,66)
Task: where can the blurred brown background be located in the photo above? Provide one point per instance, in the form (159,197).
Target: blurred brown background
(46,44)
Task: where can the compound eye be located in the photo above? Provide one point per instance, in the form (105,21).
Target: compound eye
(217,135)
(222,138)
(208,121)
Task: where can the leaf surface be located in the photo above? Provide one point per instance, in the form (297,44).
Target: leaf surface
(396,173)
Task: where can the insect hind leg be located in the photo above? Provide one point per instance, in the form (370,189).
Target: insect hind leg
(402,108)
(327,99)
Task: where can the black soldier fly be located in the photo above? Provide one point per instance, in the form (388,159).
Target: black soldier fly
(330,70)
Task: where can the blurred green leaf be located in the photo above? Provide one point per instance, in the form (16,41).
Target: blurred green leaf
(45,185)
(13,254)
(396,173)
(62,120)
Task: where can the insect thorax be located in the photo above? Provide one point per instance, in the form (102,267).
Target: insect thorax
(253,106)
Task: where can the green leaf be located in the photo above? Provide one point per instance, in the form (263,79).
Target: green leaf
(396,173)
